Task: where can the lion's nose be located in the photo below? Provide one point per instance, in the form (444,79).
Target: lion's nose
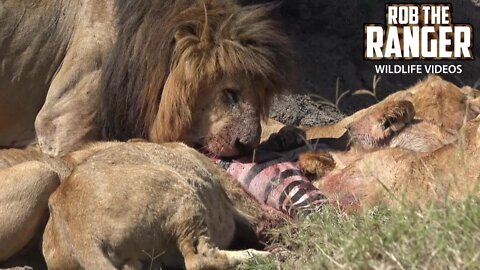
(248,139)
(246,144)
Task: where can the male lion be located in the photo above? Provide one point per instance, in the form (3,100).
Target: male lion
(388,124)
(201,72)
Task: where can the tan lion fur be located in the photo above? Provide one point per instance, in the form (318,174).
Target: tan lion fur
(397,176)
(23,204)
(218,47)
(30,177)
(353,183)
(91,70)
(177,209)
(422,118)
(430,154)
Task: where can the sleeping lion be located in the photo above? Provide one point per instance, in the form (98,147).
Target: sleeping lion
(135,200)
(117,205)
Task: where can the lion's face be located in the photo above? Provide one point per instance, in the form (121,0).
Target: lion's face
(224,66)
(377,127)
(226,116)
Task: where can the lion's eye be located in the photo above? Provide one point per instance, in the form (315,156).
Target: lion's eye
(388,122)
(231,95)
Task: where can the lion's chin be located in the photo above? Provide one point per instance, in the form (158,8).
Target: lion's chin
(230,153)
(216,151)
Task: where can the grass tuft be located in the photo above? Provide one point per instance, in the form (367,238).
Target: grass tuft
(436,237)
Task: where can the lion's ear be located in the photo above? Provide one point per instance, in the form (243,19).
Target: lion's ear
(180,34)
(183,32)
(174,114)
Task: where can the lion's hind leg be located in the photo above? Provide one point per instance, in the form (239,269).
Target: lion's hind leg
(203,248)
(201,254)
(65,247)
(236,257)
(57,253)
(89,253)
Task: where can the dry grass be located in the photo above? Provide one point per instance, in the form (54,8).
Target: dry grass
(341,94)
(435,237)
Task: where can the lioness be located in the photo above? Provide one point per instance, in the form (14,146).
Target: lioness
(422,118)
(399,175)
(421,143)
(435,101)
(384,123)
(28,177)
(201,72)
(135,200)
(183,189)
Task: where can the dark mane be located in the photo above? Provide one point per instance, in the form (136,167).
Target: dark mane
(146,51)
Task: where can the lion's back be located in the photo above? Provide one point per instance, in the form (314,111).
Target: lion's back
(127,193)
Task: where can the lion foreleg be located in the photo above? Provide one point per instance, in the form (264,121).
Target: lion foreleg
(68,118)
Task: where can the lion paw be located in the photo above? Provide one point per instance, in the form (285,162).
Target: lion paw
(316,164)
(287,138)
